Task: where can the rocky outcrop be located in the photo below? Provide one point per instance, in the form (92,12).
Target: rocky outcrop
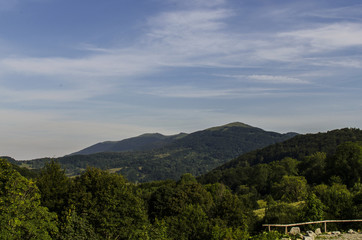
(294,230)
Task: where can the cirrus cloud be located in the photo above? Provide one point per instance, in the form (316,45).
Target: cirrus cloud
(277,79)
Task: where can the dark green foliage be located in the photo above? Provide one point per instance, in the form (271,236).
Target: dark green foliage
(54,187)
(77,228)
(228,207)
(340,203)
(313,209)
(299,148)
(281,213)
(313,167)
(357,201)
(192,211)
(347,163)
(228,233)
(289,178)
(21,216)
(191,223)
(290,189)
(28,173)
(338,200)
(171,200)
(108,203)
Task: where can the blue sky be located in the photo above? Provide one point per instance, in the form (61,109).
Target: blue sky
(74,73)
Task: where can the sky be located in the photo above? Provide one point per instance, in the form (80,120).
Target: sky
(77,72)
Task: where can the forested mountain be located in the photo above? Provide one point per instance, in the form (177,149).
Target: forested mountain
(194,153)
(307,150)
(143,142)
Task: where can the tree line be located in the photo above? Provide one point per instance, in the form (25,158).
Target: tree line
(102,205)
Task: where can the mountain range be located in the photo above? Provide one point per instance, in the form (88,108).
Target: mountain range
(152,157)
(143,142)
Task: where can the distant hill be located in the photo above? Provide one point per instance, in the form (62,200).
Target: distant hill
(235,172)
(24,171)
(141,143)
(170,157)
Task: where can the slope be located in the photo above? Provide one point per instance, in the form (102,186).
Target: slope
(140,143)
(233,174)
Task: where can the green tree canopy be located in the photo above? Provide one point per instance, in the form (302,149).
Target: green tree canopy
(347,163)
(291,189)
(109,204)
(54,187)
(313,209)
(21,216)
(313,167)
(337,199)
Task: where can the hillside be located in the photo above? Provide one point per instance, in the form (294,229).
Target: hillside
(140,143)
(236,172)
(195,153)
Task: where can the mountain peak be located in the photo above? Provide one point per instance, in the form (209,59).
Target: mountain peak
(233,124)
(159,135)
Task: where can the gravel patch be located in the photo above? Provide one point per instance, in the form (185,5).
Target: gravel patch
(345,236)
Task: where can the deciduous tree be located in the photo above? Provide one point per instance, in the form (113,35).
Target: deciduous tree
(21,216)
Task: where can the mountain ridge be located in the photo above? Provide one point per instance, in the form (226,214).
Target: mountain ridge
(195,153)
(149,141)
(146,141)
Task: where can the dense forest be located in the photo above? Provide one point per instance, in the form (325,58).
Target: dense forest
(309,177)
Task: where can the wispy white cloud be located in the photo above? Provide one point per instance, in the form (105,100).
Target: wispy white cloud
(311,45)
(49,96)
(277,79)
(188,92)
(175,39)
(329,37)
(187,38)
(344,62)
(191,35)
(179,38)
(270,79)
(198,3)
(238,92)
(278,52)
(119,63)
(351,13)
(194,37)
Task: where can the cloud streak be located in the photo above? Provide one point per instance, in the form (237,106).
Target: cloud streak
(277,79)
(330,37)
